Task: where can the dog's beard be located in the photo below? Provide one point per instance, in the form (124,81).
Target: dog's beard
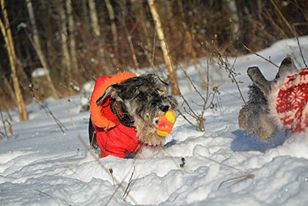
(143,122)
(146,133)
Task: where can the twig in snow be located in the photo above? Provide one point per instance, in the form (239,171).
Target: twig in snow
(55,198)
(222,62)
(232,75)
(111,173)
(183,162)
(248,175)
(126,192)
(262,57)
(4,125)
(49,112)
(236,180)
(108,171)
(207,102)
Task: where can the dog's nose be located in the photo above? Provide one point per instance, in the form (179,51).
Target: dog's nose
(164,107)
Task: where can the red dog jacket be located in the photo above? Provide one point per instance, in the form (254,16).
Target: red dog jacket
(112,136)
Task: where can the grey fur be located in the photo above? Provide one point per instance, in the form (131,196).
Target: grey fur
(254,117)
(287,65)
(145,98)
(259,80)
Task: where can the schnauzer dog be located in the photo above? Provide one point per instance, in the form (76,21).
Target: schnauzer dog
(123,108)
(280,103)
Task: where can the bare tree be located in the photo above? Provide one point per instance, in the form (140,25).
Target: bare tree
(190,47)
(167,58)
(6,32)
(38,48)
(113,30)
(66,61)
(71,31)
(234,18)
(137,7)
(94,18)
(128,34)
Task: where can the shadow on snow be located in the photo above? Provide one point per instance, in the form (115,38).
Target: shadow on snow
(244,142)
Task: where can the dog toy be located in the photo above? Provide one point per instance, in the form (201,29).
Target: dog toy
(164,123)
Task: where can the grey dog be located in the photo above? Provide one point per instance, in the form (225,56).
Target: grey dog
(255,117)
(136,102)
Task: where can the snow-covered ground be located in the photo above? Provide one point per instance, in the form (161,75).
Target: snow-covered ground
(41,165)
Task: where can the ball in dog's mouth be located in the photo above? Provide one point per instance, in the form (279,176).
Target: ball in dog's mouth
(161,126)
(164,123)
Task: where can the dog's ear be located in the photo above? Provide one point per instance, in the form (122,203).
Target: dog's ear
(112,91)
(259,80)
(287,66)
(158,79)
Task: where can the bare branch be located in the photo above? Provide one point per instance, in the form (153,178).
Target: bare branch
(301,52)
(262,57)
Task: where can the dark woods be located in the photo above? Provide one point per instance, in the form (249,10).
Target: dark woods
(77,40)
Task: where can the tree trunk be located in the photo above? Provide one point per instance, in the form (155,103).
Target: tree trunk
(85,14)
(235,22)
(167,58)
(38,48)
(6,31)
(9,88)
(128,35)
(139,13)
(190,48)
(113,31)
(94,18)
(71,30)
(65,48)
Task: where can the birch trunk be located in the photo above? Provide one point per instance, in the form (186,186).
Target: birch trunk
(94,18)
(167,58)
(38,48)
(6,31)
(71,30)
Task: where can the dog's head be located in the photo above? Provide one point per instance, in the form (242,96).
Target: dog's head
(145,98)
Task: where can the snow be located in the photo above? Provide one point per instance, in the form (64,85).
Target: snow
(39,72)
(41,165)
